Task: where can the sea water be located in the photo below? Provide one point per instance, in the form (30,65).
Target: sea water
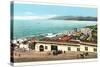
(23,28)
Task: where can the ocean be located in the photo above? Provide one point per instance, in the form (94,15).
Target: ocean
(25,28)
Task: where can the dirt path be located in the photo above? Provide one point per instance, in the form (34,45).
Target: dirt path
(44,56)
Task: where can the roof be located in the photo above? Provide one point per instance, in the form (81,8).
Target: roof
(67,43)
(89,44)
(59,43)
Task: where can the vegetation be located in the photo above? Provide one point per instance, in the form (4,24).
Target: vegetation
(80,18)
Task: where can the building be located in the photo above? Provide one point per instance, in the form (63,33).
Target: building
(88,47)
(50,46)
(24,46)
(72,45)
(86,31)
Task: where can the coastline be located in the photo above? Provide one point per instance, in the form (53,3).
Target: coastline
(45,34)
(35,27)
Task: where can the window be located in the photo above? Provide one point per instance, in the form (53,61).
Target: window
(86,48)
(78,49)
(53,47)
(95,50)
(69,48)
(32,46)
(46,47)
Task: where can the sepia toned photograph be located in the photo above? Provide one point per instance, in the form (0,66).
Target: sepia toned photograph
(44,32)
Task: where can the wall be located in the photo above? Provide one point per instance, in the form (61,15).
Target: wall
(65,47)
(90,48)
(48,47)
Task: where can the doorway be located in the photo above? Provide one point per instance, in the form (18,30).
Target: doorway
(41,48)
(54,47)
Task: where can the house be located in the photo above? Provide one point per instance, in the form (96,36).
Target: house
(24,46)
(21,43)
(86,31)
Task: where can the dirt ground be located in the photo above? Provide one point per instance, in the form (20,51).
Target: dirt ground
(33,56)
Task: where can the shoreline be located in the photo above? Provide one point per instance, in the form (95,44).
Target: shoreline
(45,34)
(32,34)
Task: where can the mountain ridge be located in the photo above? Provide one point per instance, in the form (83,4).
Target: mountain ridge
(80,18)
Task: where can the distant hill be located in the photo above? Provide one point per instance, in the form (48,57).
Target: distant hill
(80,18)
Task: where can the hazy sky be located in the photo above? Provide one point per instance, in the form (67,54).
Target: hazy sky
(37,11)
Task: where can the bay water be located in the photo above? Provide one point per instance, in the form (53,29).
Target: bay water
(24,28)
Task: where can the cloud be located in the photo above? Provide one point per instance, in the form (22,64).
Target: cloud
(33,17)
(28,13)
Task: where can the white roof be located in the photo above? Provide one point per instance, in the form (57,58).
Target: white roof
(20,40)
(50,35)
(14,41)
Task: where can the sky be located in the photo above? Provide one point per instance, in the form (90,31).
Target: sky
(35,11)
